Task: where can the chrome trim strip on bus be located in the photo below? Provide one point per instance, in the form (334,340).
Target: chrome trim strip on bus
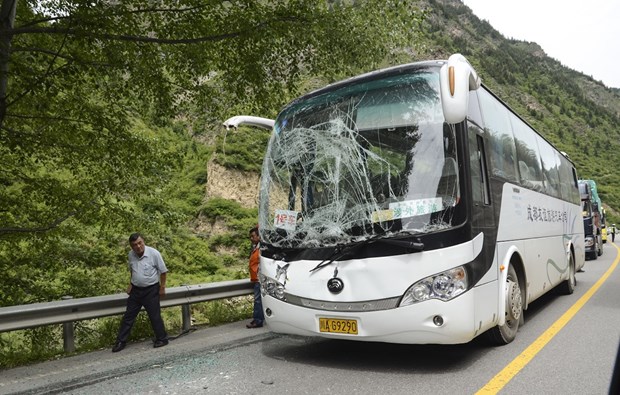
(368,305)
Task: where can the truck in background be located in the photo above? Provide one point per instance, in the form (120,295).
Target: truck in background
(591,211)
(601,210)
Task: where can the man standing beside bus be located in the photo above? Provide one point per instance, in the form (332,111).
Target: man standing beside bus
(612,231)
(146,287)
(258,315)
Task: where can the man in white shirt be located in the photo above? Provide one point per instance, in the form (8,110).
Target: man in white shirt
(147,285)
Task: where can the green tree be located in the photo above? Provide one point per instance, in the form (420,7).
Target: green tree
(98,98)
(74,74)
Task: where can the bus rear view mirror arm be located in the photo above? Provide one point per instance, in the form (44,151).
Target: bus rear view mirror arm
(235,121)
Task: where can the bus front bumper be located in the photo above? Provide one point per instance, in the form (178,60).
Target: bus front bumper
(428,322)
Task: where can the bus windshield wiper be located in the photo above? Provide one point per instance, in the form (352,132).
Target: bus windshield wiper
(410,245)
(339,252)
(342,251)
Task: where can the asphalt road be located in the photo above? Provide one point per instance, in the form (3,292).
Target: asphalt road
(567,345)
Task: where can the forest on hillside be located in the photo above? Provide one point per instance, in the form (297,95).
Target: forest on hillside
(576,113)
(110,113)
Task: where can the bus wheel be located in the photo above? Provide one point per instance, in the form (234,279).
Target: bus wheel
(568,286)
(504,334)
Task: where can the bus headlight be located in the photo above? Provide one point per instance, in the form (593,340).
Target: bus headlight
(271,287)
(443,286)
(589,241)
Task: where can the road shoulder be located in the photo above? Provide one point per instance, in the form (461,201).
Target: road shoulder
(79,370)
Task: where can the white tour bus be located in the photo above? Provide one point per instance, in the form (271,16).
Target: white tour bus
(411,205)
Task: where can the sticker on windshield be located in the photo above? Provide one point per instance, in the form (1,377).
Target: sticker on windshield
(285,219)
(411,208)
(382,216)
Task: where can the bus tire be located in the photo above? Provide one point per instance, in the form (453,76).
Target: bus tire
(594,254)
(567,286)
(504,334)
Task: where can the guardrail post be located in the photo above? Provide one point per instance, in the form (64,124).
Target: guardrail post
(68,339)
(187,317)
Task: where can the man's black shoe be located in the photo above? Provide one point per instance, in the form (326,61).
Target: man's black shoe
(118,347)
(160,343)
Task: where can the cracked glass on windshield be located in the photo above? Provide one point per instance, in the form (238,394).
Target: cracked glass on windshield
(368,158)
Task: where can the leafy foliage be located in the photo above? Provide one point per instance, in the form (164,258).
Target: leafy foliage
(235,154)
(107,119)
(99,104)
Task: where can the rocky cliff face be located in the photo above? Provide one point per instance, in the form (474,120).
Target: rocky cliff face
(231,184)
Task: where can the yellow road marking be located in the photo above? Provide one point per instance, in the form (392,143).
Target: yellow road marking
(505,375)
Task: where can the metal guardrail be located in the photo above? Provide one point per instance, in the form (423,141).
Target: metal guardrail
(68,310)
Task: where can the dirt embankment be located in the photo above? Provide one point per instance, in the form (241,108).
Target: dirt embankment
(230,184)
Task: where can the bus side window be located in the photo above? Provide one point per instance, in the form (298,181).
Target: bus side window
(550,165)
(478,166)
(473,111)
(575,187)
(501,145)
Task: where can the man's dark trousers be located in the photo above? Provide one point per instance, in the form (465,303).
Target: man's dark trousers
(149,298)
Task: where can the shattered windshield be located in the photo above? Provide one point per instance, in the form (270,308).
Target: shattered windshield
(370,158)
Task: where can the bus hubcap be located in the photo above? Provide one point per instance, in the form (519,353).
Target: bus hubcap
(513,300)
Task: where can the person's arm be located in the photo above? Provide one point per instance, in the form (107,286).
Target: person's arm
(130,285)
(162,284)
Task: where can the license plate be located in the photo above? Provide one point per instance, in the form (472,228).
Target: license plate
(338,325)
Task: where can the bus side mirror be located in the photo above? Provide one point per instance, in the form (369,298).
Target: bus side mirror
(456,78)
